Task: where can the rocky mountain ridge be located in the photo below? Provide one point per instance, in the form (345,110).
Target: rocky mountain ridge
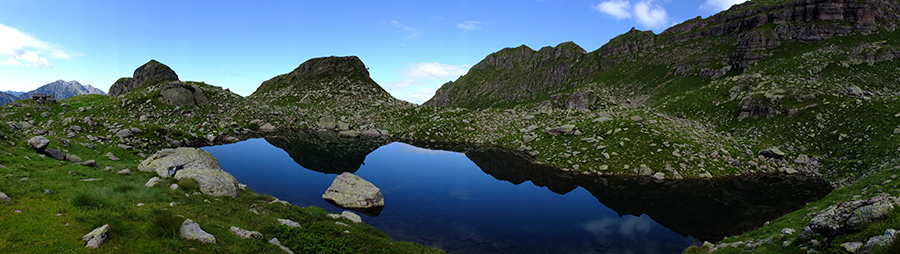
(60,89)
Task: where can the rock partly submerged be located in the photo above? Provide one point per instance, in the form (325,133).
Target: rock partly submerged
(351,191)
(199,165)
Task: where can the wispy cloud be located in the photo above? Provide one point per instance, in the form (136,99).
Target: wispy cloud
(418,81)
(646,12)
(719,5)
(469,25)
(413,33)
(19,48)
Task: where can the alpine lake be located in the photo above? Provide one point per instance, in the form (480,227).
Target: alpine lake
(482,199)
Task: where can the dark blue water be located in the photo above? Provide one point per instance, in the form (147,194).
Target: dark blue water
(443,199)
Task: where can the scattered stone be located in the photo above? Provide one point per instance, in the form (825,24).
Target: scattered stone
(112,156)
(48,191)
(348,134)
(90,163)
(191,230)
(803,158)
(341,224)
(289,223)
(644,170)
(268,128)
(246,234)
(91,179)
(787,231)
(637,118)
(659,176)
(152,182)
(4,197)
(124,133)
(174,186)
(124,172)
(73,158)
(852,247)
(56,154)
(96,236)
(772,152)
(278,243)
(351,191)
(38,143)
(64,142)
(351,216)
(567,129)
(601,119)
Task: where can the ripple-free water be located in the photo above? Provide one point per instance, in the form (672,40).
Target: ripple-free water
(443,199)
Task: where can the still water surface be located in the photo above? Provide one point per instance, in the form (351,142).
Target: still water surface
(444,199)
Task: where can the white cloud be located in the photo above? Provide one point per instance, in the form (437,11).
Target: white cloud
(719,5)
(650,15)
(419,81)
(620,9)
(413,34)
(646,12)
(20,48)
(469,25)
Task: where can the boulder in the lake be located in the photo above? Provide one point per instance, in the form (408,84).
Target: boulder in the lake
(197,164)
(351,191)
(191,230)
(852,215)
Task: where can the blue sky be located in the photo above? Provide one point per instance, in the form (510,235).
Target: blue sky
(411,47)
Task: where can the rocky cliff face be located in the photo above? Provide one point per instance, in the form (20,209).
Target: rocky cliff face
(149,73)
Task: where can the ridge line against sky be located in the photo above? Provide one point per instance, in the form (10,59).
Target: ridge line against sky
(411,47)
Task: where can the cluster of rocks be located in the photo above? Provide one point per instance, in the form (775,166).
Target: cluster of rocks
(330,123)
(41,143)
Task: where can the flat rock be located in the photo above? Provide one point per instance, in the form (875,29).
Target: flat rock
(351,191)
(199,165)
(191,230)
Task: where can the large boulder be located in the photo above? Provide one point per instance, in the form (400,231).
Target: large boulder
(38,143)
(852,215)
(351,191)
(199,165)
(177,94)
(150,73)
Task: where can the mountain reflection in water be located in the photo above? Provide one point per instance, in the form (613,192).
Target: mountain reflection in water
(441,198)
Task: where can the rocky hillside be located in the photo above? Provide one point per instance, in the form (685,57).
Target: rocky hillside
(326,81)
(62,89)
(150,73)
(641,65)
(6,98)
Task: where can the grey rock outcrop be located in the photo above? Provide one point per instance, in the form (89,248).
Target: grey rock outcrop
(177,94)
(199,165)
(289,223)
(351,191)
(191,230)
(149,73)
(56,154)
(96,236)
(852,215)
(38,143)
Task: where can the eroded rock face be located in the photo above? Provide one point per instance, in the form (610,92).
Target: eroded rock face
(852,215)
(199,165)
(351,191)
(151,72)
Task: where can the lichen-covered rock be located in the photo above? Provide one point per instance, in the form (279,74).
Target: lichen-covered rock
(880,241)
(191,230)
(96,236)
(199,165)
(243,233)
(38,143)
(852,215)
(351,191)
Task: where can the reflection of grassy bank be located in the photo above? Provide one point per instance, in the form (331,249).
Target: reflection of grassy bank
(143,219)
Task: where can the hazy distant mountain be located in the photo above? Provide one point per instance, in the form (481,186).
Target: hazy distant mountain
(14,93)
(6,98)
(62,89)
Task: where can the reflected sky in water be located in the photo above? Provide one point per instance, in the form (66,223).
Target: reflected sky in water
(443,199)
